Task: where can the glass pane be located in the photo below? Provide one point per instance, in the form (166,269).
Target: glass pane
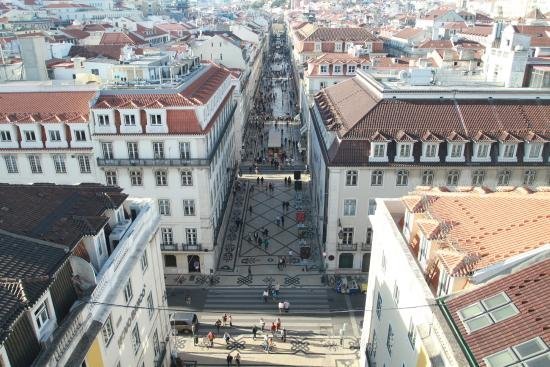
(504,312)
(478,323)
(501,359)
(530,348)
(471,311)
(495,301)
(540,361)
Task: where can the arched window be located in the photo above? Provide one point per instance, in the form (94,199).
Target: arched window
(377,178)
(453,177)
(402,177)
(503,177)
(428,177)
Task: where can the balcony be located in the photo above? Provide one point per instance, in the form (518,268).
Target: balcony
(152,162)
(366,246)
(180,247)
(347,247)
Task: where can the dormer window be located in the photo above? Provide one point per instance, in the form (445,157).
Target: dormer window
(430,150)
(482,150)
(30,135)
(337,69)
(324,69)
(509,151)
(129,120)
(337,47)
(155,119)
(317,46)
(55,135)
(533,152)
(80,135)
(379,150)
(405,150)
(456,150)
(5,135)
(351,69)
(103,120)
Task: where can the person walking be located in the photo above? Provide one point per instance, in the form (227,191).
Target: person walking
(249,270)
(196,339)
(273,328)
(218,324)
(211,336)
(266,243)
(262,323)
(286,306)
(265,294)
(230,318)
(341,337)
(254,332)
(229,360)
(226,337)
(278,323)
(224,318)
(238,359)
(277,289)
(281,307)
(283,221)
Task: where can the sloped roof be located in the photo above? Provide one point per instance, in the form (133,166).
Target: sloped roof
(529,290)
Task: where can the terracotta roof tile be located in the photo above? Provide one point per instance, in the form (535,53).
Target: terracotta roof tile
(475,231)
(116,38)
(529,290)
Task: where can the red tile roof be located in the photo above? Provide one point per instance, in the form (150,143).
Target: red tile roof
(39,106)
(529,290)
(116,38)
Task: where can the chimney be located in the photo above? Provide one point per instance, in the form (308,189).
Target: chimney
(33,53)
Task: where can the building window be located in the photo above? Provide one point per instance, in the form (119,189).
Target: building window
(136,341)
(372,206)
(107,331)
(427,177)
(133,152)
(456,150)
(129,120)
(5,135)
(150,304)
(487,312)
(377,178)
(347,238)
(84,164)
(191,236)
(337,69)
(379,306)
(111,178)
(59,163)
(529,177)
(186,178)
(189,207)
(411,333)
(503,178)
(161,178)
(34,162)
(396,293)
(103,120)
(324,69)
(41,315)
(404,150)
(509,151)
(136,178)
(167,236)
(128,293)
(144,262)
(317,46)
(351,178)
(431,150)
(453,177)
(402,178)
(170,261)
(351,69)
(535,150)
(158,150)
(156,344)
(55,135)
(374,345)
(80,135)
(478,176)
(107,149)
(95,71)
(389,340)
(164,206)
(483,150)
(185,150)
(29,135)
(11,163)
(155,119)
(379,150)
(349,207)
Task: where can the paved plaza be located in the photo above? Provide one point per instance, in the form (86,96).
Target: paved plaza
(322,326)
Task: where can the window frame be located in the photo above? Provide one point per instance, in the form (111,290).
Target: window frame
(350,207)
(352,177)
(377,177)
(111,178)
(84,163)
(128,291)
(108,331)
(35,164)
(164,207)
(59,163)
(5,136)
(161,177)
(402,178)
(186,177)
(11,163)
(136,177)
(39,318)
(167,236)
(189,209)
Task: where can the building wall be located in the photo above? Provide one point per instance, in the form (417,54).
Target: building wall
(221,51)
